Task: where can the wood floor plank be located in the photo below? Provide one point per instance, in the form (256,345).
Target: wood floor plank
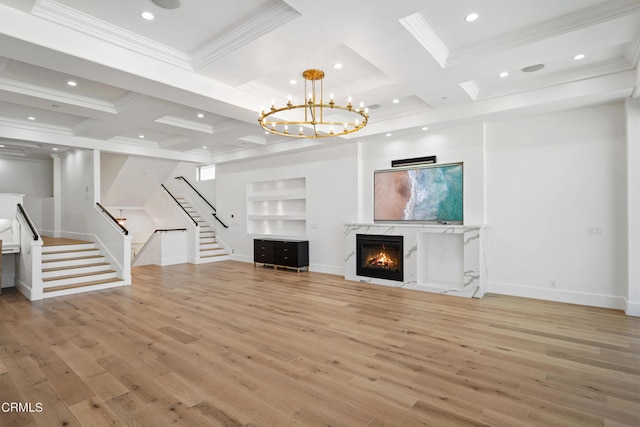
(227,344)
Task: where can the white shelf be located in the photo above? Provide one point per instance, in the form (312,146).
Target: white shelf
(276,197)
(278,217)
(277,207)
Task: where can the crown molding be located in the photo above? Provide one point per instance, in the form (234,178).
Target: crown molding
(3,63)
(58,96)
(134,141)
(127,100)
(84,125)
(632,52)
(58,13)
(185,124)
(571,22)
(274,15)
(34,126)
(471,88)
(587,72)
(418,27)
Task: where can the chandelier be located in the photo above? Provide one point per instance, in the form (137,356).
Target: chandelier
(313,118)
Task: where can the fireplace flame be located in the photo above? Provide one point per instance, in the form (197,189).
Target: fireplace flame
(381,260)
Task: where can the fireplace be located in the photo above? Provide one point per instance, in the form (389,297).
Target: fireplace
(379,256)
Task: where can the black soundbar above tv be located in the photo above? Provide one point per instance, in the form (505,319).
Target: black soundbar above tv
(412,162)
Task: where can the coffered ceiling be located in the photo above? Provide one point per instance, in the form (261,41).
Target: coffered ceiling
(189,84)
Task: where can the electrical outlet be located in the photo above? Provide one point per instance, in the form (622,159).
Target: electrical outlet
(552,284)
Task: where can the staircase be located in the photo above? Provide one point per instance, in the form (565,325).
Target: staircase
(74,266)
(210,249)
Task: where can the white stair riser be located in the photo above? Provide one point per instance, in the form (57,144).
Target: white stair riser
(72,262)
(214,259)
(79,270)
(81,279)
(76,254)
(211,252)
(80,246)
(206,246)
(82,289)
(208,240)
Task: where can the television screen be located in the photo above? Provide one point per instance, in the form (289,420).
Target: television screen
(430,193)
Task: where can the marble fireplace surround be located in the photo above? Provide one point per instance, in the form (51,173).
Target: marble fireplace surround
(447,259)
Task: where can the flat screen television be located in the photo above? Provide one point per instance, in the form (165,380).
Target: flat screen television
(428,193)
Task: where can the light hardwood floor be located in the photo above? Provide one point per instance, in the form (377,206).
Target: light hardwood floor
(227,344)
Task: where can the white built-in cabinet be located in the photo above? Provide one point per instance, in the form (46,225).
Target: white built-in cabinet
(277,207)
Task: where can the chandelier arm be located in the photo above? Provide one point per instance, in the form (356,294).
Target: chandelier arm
(313,117)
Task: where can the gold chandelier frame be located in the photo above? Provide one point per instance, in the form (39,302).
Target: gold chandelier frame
(314,112)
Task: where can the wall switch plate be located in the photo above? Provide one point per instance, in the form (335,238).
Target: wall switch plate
(594,231)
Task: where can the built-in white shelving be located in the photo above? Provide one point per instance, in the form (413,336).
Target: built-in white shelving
(277,207)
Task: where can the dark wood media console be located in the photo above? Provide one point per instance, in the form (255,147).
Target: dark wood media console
(281,253)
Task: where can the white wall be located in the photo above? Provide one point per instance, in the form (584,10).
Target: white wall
(550,179)
(331,188)
(449,146)
(538,183)
(33,178)
(77,183)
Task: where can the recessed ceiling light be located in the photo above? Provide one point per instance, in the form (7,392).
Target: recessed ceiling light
(147,16)
(204,147)
(388,134)
(504,74)
(54,149)
(141,136)
(1,145)
(337,65)
(579,56)
(471,17)
(425,128)
(72,83)
(293,81)
(31,118)
(200,115)
(395,101)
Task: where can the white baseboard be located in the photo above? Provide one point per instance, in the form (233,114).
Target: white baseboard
(318,268)
(559,295)
(632,308)
(26,290)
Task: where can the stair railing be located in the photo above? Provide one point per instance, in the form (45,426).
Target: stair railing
(24,214)
(104,210)
(164,230)
(179,204)
(215,212)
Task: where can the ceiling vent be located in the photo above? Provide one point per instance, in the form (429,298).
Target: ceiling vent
(167,4)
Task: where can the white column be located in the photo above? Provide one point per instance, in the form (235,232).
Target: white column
(633,206)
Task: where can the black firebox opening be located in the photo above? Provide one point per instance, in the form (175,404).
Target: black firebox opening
(379,256)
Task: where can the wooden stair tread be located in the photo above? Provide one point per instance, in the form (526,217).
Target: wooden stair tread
(81,285)
(71,267)
(72,276)
(61,241)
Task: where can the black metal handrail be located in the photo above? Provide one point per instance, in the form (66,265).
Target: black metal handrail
(34,232)
(179,204)
(122,228)
(215,212)
(151,237)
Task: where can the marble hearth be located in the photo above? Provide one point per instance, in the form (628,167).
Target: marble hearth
(446,259)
